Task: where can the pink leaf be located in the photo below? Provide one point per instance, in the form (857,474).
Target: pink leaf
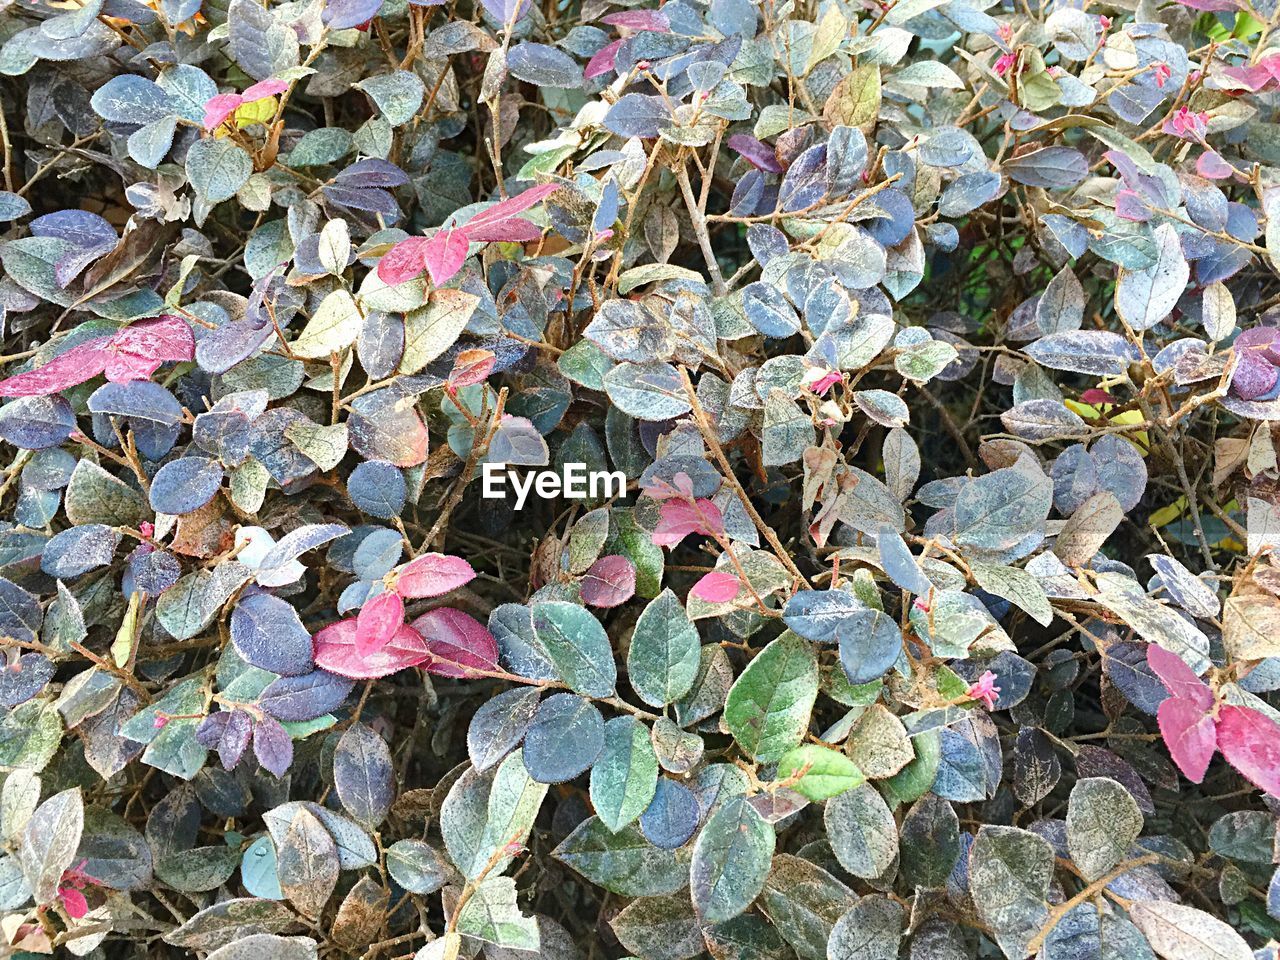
(80,363)
(162,339)
(1179,679)
(218,108)
(506,209)
(1251,743)
(679,518)
(717,587)
(513,230)
(457,644)
(609,582)
(404,261)
(265,88)
(74,902)
(471,367)
(1211,166)
(378,621)
(433,574)
(654,21)
(444,254)
(756,153)
(603,60)
(335,651)
(1189,734)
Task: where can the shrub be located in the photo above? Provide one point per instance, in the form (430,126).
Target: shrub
(767,480)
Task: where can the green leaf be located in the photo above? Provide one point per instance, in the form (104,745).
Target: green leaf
(484,812)
(307,863)
(871,930)
(217,168)
(662,661)
(625,776)
(1009,875)
(578,646)
(659,928)
(1103,820)
(730,861)
(398,95)
(49,843)
(820,771)
(767,709)
(363,775)
(332,328)
(492,915)
(416,866)
(862,831)
(623,862)
(804,902)
(431,330)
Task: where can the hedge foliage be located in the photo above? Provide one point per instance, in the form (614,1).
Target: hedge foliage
(925,355)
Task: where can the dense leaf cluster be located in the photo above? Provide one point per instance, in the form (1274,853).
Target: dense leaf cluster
(928,352)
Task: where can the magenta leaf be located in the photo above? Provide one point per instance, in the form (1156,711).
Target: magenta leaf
(602,61)
(679,518)
(162,339)
(433,574)
(506,209)
(444,254)
(378,621)
(265,88)
(1251,743)
(756,153)
(335,651)
(1179,679)
(514,230)
(458,645)
(1188,732)
(717,587)
(80,363)
(654,21)
(404,261)
(610,582)
(218,108)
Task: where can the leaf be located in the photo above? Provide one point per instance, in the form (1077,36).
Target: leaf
(267,632)
(870,930)
(433,574)
(998,509)
(862,832)
(1102,821)
(416,866)
(307,863)
(730,861)
(1145,297)
(623,862)
(578,646)
(432,329)
(625,776)
(1009,875)
(662,661)
(49,843)
(334,327)
(335,651)
(1178,932)
(217,169)
(717,587)
(1190,734)
(363,776)
(564,739)
(1250,741)
(458,645)
(485,812)
(491,915)
(499,725)
(819,773)
(767,709)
